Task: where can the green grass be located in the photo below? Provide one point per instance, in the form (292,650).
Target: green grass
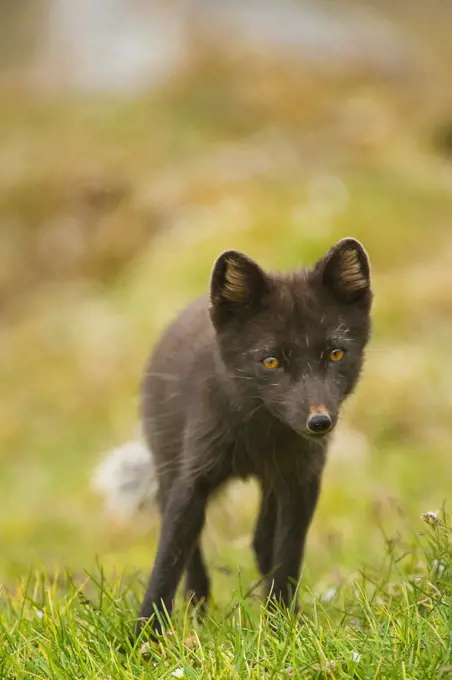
(393,621)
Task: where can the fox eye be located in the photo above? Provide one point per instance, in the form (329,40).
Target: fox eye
(337,355)
(271,362)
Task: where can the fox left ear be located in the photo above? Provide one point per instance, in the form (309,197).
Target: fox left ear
(237,284)
(345,270)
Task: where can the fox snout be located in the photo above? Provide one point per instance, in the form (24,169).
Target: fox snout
(319,421)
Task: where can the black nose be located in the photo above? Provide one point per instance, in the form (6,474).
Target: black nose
(319,424)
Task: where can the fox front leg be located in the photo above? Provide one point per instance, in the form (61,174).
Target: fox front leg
(183,520)
(296,505)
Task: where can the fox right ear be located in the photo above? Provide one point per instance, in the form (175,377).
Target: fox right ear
(237,283)
(345,270)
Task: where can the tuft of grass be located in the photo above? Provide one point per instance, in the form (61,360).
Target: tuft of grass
(392,620)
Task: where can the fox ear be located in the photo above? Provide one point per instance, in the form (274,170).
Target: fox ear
(237,283)
(345,270)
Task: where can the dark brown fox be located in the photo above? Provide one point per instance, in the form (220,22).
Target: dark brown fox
(249,383)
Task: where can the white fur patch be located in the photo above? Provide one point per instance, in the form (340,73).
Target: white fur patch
(127,480)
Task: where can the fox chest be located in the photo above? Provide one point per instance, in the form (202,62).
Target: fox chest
(267,455)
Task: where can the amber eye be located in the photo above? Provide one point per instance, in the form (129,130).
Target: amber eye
(337,355)
(271,362)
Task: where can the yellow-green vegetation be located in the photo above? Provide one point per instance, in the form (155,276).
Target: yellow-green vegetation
(388,621)
(111,214)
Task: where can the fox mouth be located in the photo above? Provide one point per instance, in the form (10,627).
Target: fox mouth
(308,434)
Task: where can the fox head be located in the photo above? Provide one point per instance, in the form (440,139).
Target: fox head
(294,343)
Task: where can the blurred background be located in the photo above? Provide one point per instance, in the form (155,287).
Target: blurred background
(138,140)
